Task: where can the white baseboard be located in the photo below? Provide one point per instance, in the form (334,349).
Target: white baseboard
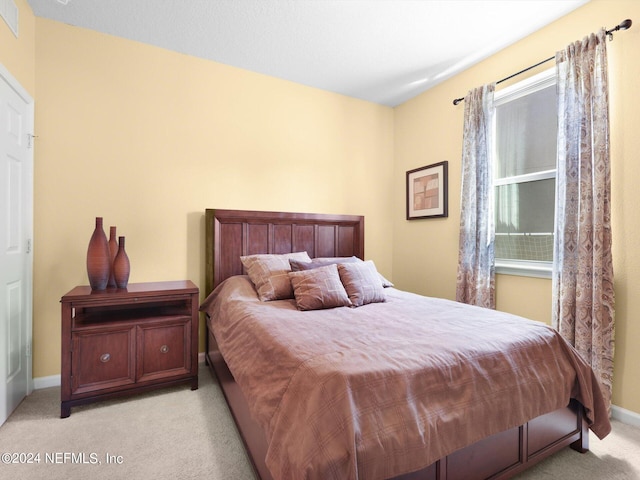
(54,380)
(46,382)
(625,416)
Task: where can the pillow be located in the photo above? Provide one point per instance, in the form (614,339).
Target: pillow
(297,265)
(385,283)
(319,288)
(362,282)
(268,273)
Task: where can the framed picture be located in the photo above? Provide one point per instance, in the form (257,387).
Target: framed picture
(427,191)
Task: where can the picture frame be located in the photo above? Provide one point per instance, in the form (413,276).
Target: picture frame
(427,191)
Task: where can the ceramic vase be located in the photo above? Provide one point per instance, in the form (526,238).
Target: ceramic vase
(121,266)
(98,258)
(113,251)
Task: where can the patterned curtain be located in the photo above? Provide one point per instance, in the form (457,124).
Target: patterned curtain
(583,297)
(476,270)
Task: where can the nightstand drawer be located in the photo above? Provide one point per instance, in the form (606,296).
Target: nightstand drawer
(163,350)
(102,359)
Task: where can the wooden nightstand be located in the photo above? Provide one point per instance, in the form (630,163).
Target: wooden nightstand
(122,341)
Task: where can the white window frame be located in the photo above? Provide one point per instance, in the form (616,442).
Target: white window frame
(530,85)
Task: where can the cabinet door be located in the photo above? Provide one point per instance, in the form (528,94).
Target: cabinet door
(102,358)
(164,350)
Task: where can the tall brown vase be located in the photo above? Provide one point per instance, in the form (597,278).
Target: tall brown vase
(98,258)
(113,251)
(121,266)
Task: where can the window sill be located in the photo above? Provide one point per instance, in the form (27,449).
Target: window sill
(524,269)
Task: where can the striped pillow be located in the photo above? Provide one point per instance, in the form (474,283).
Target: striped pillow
(318,288)
(362,282)
(268,273)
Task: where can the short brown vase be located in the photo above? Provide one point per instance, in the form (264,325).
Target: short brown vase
(121,266)
(113,251)
(98,258)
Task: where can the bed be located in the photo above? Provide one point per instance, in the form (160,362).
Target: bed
(342,394)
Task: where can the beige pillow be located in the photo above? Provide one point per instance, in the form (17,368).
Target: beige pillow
(268,273)
(318,288)
(362,282)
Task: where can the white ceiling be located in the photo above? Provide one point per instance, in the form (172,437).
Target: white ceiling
(384,51)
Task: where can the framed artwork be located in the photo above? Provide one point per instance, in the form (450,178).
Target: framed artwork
(427,191)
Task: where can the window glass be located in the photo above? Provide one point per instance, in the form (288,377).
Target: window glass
(525,163)
(526,133)
(524,223)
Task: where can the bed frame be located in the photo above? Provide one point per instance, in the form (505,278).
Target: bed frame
(232,233)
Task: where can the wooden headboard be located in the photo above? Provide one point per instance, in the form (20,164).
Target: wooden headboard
(233,233)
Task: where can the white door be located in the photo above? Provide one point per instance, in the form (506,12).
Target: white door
(16,226)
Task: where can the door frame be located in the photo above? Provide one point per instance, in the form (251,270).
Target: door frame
(10,80)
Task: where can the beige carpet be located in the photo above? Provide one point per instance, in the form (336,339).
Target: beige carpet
(179,434)
(617,457)
(171,433)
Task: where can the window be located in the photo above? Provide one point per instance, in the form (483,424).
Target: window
(525,137)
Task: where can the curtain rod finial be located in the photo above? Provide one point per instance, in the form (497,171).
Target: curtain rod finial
(626,24)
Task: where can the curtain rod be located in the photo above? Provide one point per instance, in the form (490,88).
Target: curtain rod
(624,25)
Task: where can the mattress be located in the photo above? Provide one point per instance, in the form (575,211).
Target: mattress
(388,388)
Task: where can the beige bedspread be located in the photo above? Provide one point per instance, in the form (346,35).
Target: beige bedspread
(388,388)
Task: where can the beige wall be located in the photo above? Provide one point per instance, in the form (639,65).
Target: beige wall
(149,138)
(429,129)
(18,54)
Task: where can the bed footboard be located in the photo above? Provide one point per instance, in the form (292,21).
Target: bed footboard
(496,457)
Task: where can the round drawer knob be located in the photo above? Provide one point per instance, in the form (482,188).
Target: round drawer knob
(105,357)
(164,349)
